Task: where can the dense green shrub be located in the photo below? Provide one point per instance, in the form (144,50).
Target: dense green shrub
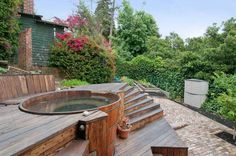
(2,70)
(73,82)
(81,58)
(9,28)
(154,71)
(127,80)
(221,93)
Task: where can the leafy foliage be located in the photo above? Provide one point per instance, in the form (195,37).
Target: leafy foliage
(154,71)
(104,17)
(2,70)
(9,28)
(82,52)
(127,80)
(81,58)
(73,82)
(221,93)
(133,31)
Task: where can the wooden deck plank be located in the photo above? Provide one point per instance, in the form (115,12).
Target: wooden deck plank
(140,142)
(141,138)
(19,130)
(33,134)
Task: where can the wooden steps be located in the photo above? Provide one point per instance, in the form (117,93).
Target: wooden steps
(142,120)
(128,89)
(139,108)
(75,148)
(138,105)
(143,110)
(132,94)
(136,99)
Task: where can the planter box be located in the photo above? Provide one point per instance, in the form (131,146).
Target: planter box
(196,86)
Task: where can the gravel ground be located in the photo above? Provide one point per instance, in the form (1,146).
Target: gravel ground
(196,130)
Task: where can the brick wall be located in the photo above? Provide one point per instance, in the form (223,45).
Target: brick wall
(28,6)
(25,49)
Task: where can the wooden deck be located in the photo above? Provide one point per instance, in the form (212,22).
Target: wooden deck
(19,131)
(156,134)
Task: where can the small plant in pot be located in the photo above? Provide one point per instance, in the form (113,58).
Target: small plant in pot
(124,128)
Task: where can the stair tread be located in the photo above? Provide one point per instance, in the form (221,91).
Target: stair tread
(76,147)
(138,103)
(135,90)
(137,97)
(144,116)
(128,89)
(144,108)
(123,86)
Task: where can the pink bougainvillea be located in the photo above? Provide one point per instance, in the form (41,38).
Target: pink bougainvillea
(72,22)
(64,36)
(75,22)
(77,44)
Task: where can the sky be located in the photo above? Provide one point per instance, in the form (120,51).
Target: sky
(188,18)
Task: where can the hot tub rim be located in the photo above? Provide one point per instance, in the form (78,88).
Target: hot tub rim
(23,109)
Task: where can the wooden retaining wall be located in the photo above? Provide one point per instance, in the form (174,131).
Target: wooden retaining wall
(13,86)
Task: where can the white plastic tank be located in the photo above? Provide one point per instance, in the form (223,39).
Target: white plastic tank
(195,92)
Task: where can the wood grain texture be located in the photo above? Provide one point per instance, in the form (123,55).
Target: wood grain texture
(15,86)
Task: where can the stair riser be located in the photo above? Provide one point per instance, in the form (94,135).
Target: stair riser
(143,122)
(135,101)
(143,111)
(129,90)
(122,88)
(138,107)
(131,96)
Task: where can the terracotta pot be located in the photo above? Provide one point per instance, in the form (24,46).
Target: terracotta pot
(123,133)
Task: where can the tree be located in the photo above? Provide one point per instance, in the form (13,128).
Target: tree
(104,17)
(134,29)
(158,47)
(195,44)
(213,37)
(9,28)
(175,41)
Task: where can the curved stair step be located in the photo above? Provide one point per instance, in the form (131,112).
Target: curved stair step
(132,94)
(75,148)
(138,105)
(136,99)
(123,86)
(142,120)
(128,89)
(143,110)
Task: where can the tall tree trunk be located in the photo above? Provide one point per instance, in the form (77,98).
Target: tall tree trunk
(112,19)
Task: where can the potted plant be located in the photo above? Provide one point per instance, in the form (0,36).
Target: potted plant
(124,128)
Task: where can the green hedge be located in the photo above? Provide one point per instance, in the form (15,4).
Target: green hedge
(154,71)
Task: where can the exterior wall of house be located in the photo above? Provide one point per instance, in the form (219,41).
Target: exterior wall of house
(42,38)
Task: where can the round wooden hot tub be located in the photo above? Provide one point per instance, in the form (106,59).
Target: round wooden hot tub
(68,102)
(64,102)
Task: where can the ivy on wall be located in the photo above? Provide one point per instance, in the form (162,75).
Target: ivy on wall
(9,28)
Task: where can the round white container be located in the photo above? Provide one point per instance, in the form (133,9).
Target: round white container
(195,92)
(196,86)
